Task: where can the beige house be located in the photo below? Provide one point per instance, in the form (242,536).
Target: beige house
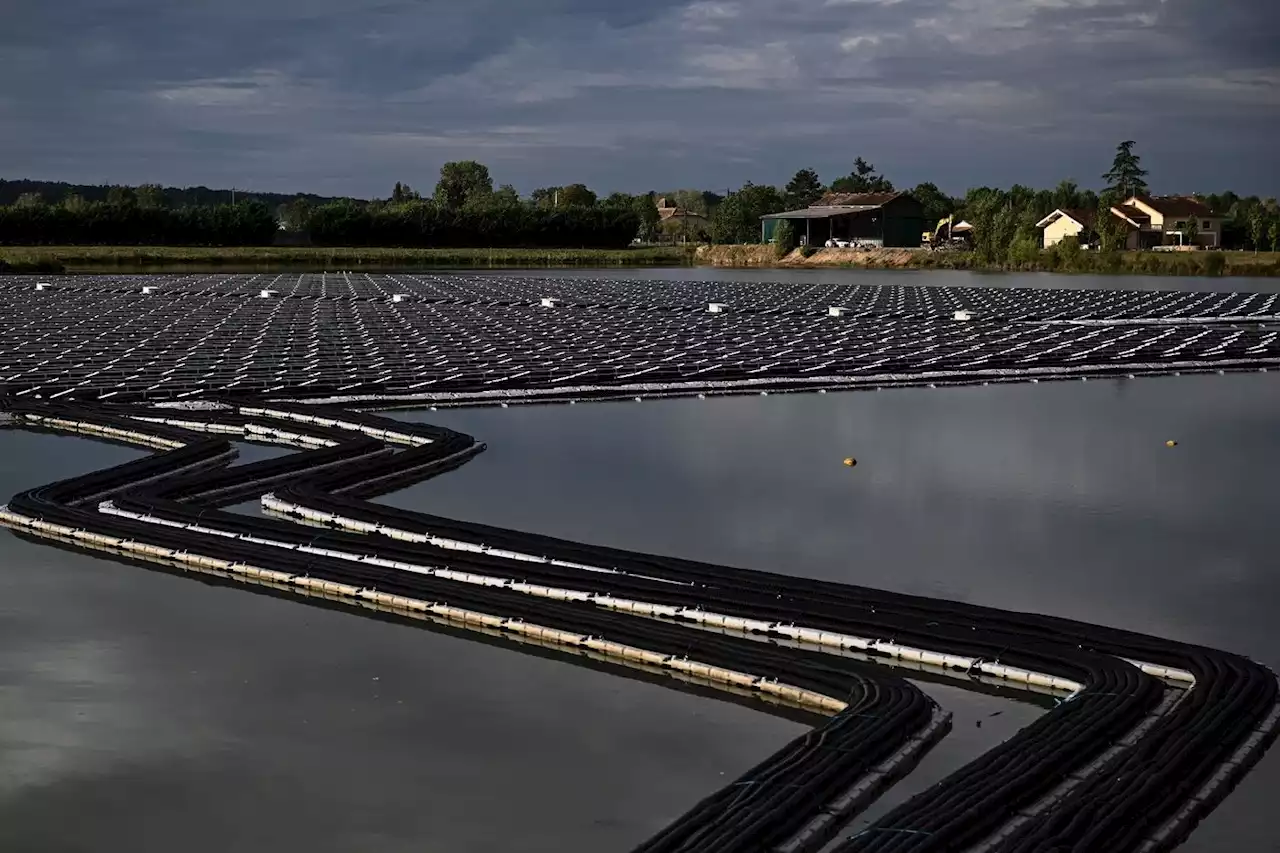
(1151,222)
(1067,223)
(1165,221)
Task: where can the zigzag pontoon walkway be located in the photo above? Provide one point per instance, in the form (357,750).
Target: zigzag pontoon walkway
(1143,738)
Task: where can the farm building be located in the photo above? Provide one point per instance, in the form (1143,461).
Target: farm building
(892,220)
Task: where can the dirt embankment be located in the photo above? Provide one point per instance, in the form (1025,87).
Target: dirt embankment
(858,258)
(735,256)
(763,256)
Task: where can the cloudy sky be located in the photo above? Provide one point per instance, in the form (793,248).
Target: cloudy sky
(349,96)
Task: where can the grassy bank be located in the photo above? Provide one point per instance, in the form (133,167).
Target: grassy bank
(51,259)
(76,258)
(1131,263)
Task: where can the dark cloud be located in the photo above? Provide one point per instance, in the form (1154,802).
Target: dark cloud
(352,95)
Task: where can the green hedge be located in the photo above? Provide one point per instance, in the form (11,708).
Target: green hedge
(424,224)
(103,224)
(343,223)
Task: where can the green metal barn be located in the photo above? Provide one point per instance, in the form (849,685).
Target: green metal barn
(891,220)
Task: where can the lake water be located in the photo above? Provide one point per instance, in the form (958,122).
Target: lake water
(146,712)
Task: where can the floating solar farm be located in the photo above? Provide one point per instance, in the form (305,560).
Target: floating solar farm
(1140,739)
(468,339)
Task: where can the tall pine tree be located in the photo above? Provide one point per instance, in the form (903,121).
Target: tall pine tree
(803,189)
(1126,178)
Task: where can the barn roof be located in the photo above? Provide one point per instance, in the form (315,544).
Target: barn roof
(819,211)
(857,199)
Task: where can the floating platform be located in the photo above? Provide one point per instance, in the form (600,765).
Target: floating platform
(463,339)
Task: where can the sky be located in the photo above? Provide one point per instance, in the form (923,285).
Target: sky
(346,97)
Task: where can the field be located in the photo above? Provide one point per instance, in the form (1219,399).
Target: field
(80,258)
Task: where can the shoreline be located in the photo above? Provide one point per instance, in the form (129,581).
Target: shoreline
(123,259)
(76,259)
(1229,263)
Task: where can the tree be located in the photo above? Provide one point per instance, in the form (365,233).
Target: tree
(506,195)
(294,214)
(731,220)
(617,201)
(403,193)
(784,239)
(1273,231)
(1258,227)
(937,204)
(462,182)
(737,218)
(29,200)
(1191,231)
(646,212)
(803,189)
(573,195)
(1110,230)
(1126,177)
(1066,195)
(577,195)
(150,197)
(75,203)
(121,197)
(863,179)
(1225,202)
(545,196)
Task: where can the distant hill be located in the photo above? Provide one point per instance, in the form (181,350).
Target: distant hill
(55,191)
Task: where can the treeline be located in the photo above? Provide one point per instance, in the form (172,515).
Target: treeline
(421,224)
(465,211)
(55,192)
(81,223)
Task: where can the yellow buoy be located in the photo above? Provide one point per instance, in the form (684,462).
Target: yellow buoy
(1171,443)
(850,461)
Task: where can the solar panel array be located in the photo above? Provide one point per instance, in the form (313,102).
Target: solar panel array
(91,337)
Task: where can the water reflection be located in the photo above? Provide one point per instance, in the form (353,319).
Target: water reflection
(1058,498)
(145,704)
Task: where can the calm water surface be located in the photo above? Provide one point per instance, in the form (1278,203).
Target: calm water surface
(144,712)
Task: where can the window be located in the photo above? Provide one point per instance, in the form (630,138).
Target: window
(1206,225)
(1180,224)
